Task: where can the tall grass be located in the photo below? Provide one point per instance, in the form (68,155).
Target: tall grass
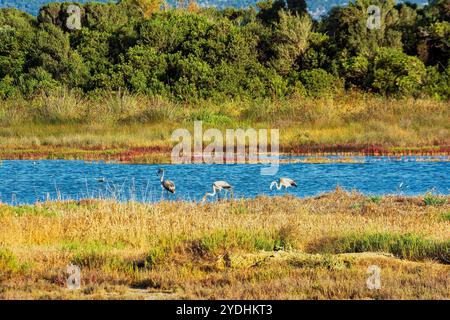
(67,119)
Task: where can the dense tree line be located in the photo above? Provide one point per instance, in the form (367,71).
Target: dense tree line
(274,50)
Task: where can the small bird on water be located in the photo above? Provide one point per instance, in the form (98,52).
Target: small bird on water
(166,184)
(283,182)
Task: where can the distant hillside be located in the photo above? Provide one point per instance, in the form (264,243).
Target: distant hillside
(315,7)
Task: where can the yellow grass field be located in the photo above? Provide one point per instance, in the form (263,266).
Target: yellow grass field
(265,248)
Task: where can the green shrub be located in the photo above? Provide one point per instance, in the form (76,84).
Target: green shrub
(437,85)
(396,73)
(8,89)
(356,70)
(318,82)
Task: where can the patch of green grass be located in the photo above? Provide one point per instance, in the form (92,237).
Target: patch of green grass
(96,255)
(211,118)
(101,257)
(375,199)
(9,262)
(249,240)
(263,242)
(446,216)
(355,206)
(405,246)
(154,256)
(90,258)
(432,200)
(20,211)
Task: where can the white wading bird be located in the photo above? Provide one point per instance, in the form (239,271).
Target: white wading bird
(218,186)
(166,184)
(283,182)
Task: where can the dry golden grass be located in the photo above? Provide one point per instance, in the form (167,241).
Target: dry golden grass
(65,125)
(276,248)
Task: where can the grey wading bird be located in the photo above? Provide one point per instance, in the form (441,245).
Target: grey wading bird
(283,182)
(166,184)
(218,186)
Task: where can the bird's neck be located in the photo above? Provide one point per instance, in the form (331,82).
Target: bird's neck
(275,183)
(210,194)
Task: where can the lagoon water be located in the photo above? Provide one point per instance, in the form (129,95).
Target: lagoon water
(27,182)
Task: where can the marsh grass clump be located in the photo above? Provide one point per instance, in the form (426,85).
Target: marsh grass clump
(33,210)
(284,239)
(432,200)
(446,216)
(405,246)
(375,199)
(94,255)
(225,240)
(9,263)
(154,257)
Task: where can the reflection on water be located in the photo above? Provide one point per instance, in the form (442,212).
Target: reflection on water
(31,181)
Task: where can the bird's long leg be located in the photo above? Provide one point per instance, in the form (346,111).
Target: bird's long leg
(218,194)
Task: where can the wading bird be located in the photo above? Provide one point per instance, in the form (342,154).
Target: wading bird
(283,182)
(218,186)
(165,184)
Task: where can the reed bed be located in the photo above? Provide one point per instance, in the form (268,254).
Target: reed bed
(66,125)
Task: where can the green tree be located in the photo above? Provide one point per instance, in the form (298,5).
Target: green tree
(395,73)
(145,70)
(408,24)
(51,51)
(16,34)
(290,40)
(347,26)
(320,54)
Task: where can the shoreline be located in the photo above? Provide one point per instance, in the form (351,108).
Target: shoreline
(162,155)
(418,199)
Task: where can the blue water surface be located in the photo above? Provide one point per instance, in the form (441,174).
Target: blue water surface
(27,182)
